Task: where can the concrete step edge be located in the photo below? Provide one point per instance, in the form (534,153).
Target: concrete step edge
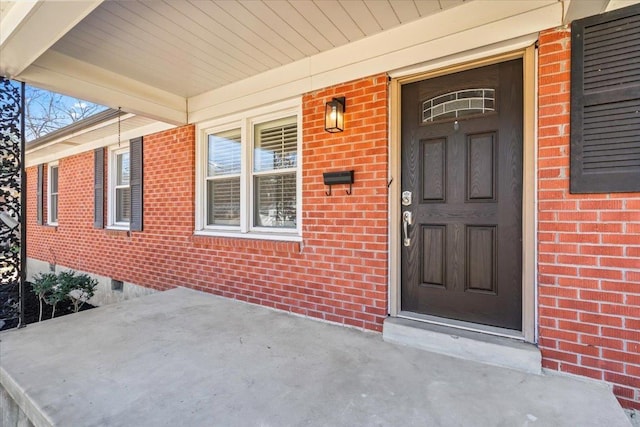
(463,344)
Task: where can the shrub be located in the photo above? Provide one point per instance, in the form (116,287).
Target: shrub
(78,288)
(58,293)
(43,285)
(52,289)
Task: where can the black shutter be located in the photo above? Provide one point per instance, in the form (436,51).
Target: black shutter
(135,183)
(40,195)
(605,102)
(98,188)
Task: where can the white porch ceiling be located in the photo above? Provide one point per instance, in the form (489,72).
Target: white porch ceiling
(221,42)
(182,61)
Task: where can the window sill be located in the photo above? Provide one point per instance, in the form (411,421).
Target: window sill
(277,243)
(254,235)
(112,231)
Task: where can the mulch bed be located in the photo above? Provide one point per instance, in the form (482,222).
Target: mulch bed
(9,316)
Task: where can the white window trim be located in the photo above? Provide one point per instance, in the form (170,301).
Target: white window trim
(114,151)
(245,122)
(50,220)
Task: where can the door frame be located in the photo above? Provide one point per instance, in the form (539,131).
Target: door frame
(529,305)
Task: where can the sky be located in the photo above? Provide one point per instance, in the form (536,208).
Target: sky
(48,111)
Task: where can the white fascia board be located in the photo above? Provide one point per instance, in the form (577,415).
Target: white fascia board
(70,136)
(260,98)
(470,16)
(16,14)
(511,32)
(64,74)
(617,4)
(577,9)
(282,82)
(479,53)
(460,29)
(30,28)
(53,153)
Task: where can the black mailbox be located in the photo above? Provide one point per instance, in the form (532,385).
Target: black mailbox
(342,177)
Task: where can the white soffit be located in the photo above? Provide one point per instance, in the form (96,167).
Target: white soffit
(466,27)
(189,47)
(29,28)
(188,61)
(150,57)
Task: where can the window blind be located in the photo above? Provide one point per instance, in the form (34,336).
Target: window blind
(276,147)
(224,154)
(224,161)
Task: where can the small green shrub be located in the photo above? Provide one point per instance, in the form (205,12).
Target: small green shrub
(52,289)
(43,285)
(79,288)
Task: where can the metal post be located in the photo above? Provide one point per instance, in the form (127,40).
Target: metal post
(23,212)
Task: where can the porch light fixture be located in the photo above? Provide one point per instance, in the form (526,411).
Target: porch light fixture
(334,115)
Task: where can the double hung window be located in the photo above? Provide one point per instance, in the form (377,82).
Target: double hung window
(248,175)
(52,207)
(119,191)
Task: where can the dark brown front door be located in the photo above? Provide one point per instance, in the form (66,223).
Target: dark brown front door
(462,164)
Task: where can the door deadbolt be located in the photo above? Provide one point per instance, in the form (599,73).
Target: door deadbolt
(406,198)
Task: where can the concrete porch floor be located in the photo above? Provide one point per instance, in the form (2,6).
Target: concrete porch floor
(186,358)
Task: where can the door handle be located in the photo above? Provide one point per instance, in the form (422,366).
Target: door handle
(407,220)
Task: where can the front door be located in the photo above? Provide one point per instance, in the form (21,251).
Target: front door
(462,196)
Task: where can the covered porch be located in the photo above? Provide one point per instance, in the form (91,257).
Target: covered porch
(183,357)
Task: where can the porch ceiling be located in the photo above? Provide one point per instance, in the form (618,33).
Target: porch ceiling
(169,60)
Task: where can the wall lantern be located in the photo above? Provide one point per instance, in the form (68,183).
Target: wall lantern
(334,115)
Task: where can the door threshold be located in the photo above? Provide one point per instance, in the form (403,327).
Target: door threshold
(473,345)
(460,324)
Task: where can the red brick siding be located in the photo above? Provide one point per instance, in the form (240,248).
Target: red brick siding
(589,250)
(338,273)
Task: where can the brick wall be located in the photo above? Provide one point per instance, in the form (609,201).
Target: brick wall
(589,251)
(338,273)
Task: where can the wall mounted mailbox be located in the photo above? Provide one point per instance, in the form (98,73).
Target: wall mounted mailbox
(342,177)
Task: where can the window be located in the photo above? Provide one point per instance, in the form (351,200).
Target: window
(274,173)
(223,178)
(119,192)
(453,105)
(248,174)
(605,99)
(53,194)
(40,194)
(124,186)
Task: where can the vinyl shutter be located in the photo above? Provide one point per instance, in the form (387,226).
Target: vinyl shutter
(40,194)
(605,102)
(135,183)
(98,188)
